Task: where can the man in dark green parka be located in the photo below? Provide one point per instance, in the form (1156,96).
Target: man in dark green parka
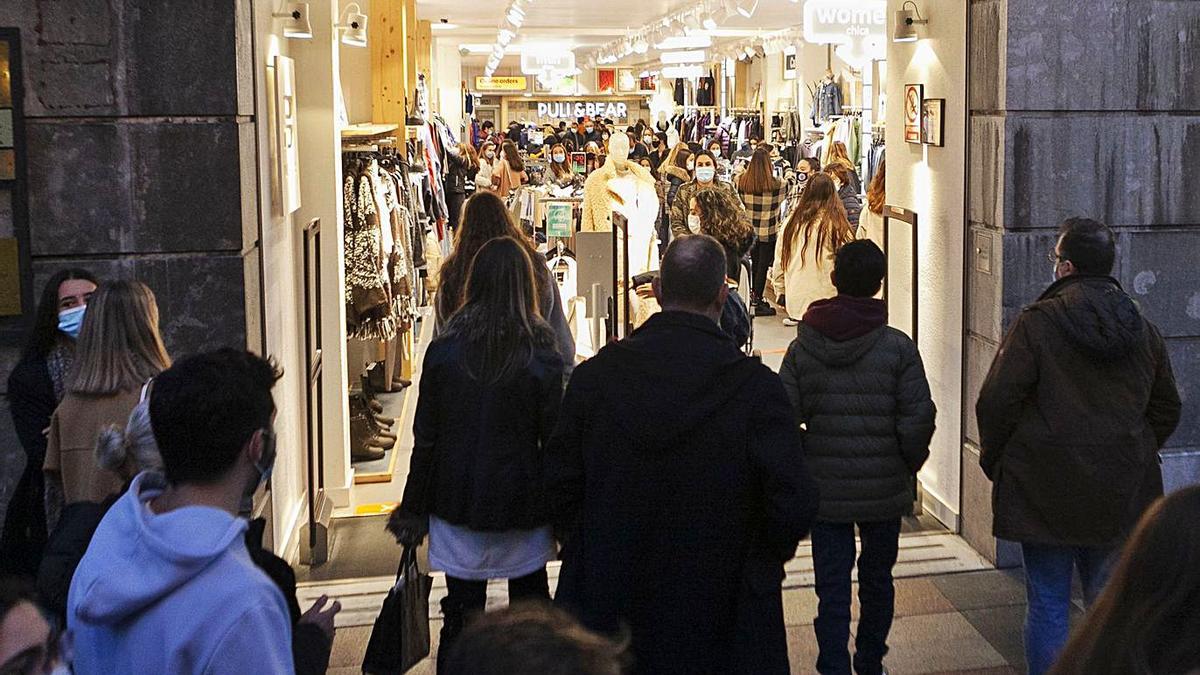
(860,393)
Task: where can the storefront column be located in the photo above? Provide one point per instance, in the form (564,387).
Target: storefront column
(141,165)
(1062,125)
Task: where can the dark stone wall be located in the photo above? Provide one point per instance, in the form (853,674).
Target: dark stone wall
(141,165)
(1086,109)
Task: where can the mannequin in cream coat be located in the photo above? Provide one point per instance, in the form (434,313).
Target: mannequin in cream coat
(629,189)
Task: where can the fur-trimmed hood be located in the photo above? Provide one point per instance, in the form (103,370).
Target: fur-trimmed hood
(676,172)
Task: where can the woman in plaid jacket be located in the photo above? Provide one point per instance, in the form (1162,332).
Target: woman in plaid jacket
(762,194)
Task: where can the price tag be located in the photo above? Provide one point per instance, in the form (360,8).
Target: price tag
(558,220)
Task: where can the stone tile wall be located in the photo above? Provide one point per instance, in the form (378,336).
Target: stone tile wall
(1086,109)
(139,136)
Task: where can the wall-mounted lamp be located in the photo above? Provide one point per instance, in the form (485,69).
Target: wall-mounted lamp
(296,24)
(353,26)
(907,22)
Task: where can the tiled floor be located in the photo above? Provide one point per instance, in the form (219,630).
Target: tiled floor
(954,623)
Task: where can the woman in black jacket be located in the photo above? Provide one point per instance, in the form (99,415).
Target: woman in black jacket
(35,388)
(843,179)
(489,397)
(461,166)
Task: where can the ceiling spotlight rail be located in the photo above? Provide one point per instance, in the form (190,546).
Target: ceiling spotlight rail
(514,18)
(682,29)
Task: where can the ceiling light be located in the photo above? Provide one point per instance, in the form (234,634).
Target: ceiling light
(640,45)
(907,22)
(685,72)
(747,8)
(297,25)
(674,58)
(516,16)
(505,36)
(709,23)
(353,26)
(689,42)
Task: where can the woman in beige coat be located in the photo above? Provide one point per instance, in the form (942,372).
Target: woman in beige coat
(804,250)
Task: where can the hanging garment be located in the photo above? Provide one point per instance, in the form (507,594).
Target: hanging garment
(679,91)
(706,90)
(368,305)
(827,100)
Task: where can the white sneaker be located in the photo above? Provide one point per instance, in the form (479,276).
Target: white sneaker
(789,321)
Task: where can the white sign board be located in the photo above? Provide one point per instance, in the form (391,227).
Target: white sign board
(533,63)
(857,27)
(615,110)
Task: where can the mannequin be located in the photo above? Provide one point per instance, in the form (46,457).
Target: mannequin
(629,189)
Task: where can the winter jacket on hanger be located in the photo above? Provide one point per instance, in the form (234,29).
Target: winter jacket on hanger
(706,90)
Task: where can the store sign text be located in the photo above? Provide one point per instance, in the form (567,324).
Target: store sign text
(534,63)
(568,110)
(514,83)
(858,28)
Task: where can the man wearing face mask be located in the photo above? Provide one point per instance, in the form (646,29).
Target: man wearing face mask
(167,584)
(1074,410)
(705,177)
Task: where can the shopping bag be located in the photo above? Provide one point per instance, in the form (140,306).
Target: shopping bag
(400,638)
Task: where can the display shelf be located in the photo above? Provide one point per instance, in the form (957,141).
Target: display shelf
(358,132)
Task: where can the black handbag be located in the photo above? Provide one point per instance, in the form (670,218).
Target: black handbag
(400,638)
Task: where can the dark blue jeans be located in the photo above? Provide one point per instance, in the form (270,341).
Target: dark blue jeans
(1048,573)
(833,560)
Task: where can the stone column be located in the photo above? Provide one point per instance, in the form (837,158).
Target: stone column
(140,137)
(1089,109)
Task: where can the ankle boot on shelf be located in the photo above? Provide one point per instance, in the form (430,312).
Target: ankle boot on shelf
(376,406)
(400,383)
(364,445)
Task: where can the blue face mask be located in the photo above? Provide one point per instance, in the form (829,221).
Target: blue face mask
(71,320)
(705,174)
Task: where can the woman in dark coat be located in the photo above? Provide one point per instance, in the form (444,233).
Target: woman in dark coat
(35,388)
(489,396)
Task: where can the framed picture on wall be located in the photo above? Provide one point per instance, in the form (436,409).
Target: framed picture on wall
(933,122)
(606,80)
(627,81)
(789,66)
(914,96)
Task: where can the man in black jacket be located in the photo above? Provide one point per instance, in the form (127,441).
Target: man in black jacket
(859,389)
(1074,410)
(679,487)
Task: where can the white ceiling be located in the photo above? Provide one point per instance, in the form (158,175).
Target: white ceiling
(583,25)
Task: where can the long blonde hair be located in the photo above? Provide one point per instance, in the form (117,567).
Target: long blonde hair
(877,191)
(822,218)
(119,346)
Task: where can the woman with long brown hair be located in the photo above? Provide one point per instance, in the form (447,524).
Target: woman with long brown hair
(719,215)
(870,221)
(560,167)
(491,386)
(1147,620)
(462,164)
(838,153)
(804,251)
(763,194)
(509,173)
(119,349)
(843,176)
(486,218)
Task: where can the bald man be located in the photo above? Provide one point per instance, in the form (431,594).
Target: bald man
(678,485)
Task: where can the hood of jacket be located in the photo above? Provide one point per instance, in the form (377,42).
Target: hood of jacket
(676,172)
(670,376)
(845,317)
(837,352)
(137,557)
(1095,313)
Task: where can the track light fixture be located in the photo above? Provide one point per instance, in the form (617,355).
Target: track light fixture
(747,7)
(353,26)
(296,23)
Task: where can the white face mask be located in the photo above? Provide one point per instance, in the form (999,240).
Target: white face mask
(559,158)
(705,174)
(489,154)
(694,223)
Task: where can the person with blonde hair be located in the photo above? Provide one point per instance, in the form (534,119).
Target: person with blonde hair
(804,252)
(487,166)
(119,349)
(870,221)
(838,154)
(843,181)
(509,173)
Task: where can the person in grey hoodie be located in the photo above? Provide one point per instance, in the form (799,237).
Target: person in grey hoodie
(860,394)
(167,584)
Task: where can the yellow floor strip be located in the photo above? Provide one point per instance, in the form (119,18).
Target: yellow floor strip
(374,509)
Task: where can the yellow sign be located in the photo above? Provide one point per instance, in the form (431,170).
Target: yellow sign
(514,83)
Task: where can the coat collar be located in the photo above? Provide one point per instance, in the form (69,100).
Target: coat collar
(1066,282)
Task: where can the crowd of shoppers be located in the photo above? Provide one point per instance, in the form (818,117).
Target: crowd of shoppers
(672,474)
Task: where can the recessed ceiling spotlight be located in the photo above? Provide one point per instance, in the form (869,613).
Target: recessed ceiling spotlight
(444,24)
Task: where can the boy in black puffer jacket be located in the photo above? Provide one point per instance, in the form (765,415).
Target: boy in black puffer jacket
(859,388)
